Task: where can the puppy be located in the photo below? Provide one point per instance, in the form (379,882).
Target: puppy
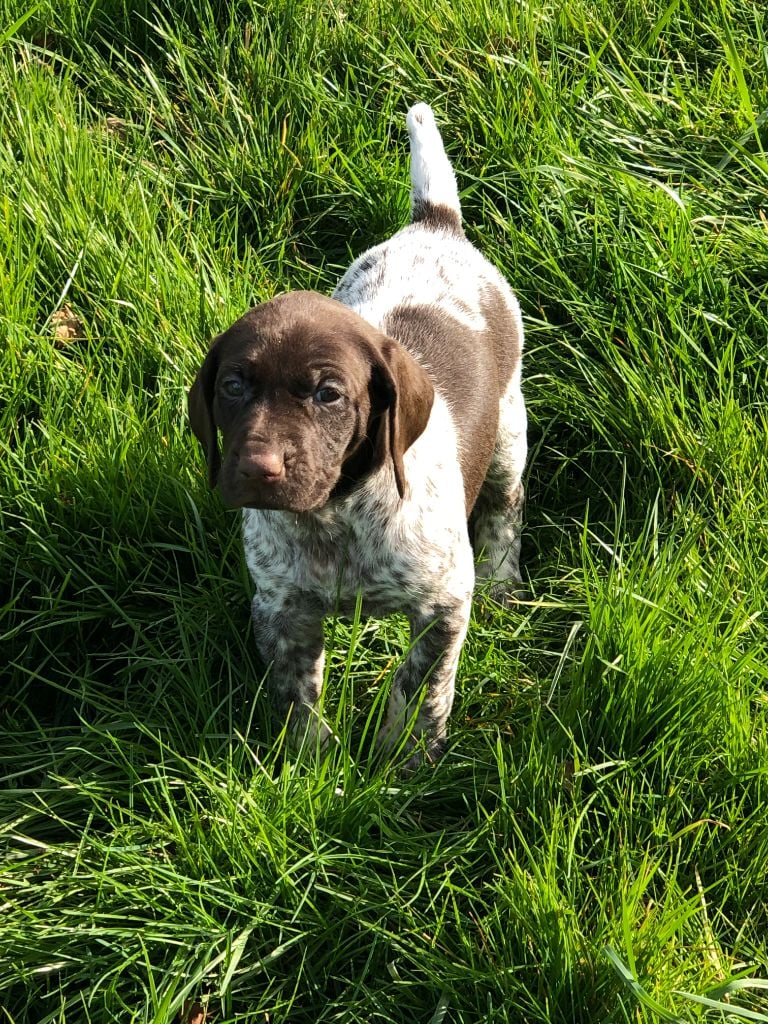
(366,437)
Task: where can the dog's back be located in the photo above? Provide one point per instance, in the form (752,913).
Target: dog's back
(433,291)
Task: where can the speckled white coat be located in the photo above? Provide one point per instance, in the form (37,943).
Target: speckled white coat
(410,555)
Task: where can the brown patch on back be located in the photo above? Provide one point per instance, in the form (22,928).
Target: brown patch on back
(470,369)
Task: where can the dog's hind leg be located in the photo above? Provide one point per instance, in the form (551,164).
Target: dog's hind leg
(496,519)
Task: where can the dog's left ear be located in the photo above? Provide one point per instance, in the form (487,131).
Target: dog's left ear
(403,392)
(200,406)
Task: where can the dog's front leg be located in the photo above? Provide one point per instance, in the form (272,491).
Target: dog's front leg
(290,642)
(423,687)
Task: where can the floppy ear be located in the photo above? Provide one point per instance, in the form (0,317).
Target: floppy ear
(200,405)
(407,394)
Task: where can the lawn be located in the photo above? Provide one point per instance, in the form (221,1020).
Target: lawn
(594,845)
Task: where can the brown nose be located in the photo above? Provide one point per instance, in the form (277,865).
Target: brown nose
(266,467)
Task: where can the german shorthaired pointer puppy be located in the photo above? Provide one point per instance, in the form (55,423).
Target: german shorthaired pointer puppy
(359,433)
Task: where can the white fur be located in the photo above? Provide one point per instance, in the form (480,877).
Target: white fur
(432,177)
(419,267)
(411,555)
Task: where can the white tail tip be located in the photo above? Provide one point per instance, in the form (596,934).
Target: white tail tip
(434,196)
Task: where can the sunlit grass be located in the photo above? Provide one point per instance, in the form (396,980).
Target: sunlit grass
(593,845)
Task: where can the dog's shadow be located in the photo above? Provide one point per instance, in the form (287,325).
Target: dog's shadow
(128,638)
(127,635)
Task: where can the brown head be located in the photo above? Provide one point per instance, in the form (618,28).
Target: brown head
(308,399)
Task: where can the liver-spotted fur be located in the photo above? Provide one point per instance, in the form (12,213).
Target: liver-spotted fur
(359,433)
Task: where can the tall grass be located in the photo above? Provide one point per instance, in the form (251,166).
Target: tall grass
(593,847)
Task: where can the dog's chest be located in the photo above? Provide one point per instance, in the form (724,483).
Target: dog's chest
(401,563)
(333,565)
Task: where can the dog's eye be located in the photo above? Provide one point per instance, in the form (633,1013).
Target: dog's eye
(233,387)
(326,395)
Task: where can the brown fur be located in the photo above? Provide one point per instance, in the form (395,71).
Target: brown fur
(283,354)
(469,369)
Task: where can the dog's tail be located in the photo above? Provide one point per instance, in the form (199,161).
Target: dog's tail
(434,196)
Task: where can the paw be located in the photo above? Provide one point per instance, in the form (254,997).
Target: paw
(417,750)
(308,732)
(505,592)
(426,751)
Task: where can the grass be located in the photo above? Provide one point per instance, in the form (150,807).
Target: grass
(593,847)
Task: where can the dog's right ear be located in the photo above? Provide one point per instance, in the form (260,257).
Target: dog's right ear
(200,405)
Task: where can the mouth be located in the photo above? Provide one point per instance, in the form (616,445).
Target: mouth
(275,502)
(274,506)
(285,495)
